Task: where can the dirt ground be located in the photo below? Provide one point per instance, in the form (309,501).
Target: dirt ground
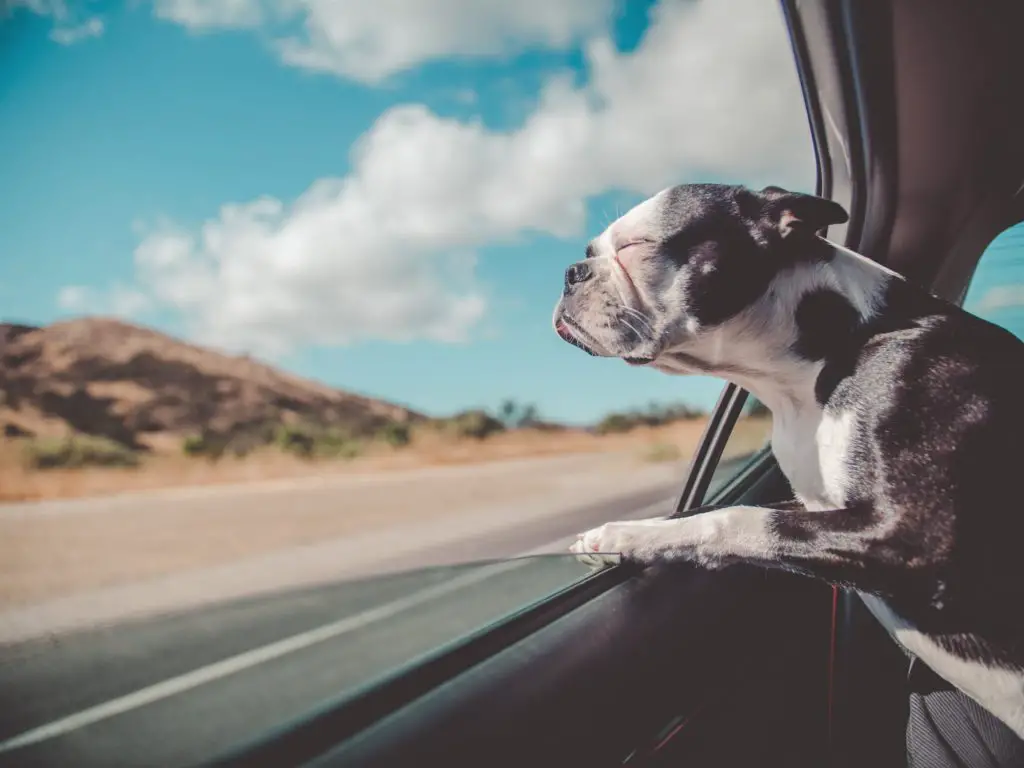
(20,483)
(213,514)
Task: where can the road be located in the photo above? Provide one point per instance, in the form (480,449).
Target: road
(172,687)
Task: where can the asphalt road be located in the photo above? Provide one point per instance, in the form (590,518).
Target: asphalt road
(179,688)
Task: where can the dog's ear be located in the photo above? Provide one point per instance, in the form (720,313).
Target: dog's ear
(793,213)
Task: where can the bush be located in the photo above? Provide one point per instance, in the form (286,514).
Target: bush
(194,445)
(77,452)
(310,442)
(476,424)
(655,416)
(333,444)
(615,423)
(396,434)
(294,439)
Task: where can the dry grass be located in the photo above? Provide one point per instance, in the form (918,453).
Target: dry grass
(429,448)
(18,482)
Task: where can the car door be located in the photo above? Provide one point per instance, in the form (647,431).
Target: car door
(623,667)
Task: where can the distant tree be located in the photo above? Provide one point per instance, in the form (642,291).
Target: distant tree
(507,412)
(513,414)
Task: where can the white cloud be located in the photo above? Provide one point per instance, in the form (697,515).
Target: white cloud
(1001,297)
(69,27)
(369,40)
(711,93)
(118,301)
(70,35)
(199,15)
(74,298)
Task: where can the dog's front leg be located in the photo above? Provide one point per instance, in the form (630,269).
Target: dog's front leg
(841,545)
(708,538)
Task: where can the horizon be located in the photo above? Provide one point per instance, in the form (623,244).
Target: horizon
(380,202)
(493,408)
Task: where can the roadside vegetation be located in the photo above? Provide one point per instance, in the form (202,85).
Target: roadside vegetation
(76,451)
(317,442)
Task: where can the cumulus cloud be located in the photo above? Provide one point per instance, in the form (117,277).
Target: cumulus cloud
(69,25)
(1001,297)
(386,251)
(369,41)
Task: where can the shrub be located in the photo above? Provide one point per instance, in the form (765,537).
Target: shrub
(295,439)
(311,442)
(396,434)
(194,445)
(615,423)
(333,444)
(476,424)
(78,451)
(655,416)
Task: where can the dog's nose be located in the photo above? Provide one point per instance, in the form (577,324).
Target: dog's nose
(577,273)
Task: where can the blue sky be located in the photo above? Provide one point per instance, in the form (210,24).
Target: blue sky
(382,199)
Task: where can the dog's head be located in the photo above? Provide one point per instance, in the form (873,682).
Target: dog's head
(681,266)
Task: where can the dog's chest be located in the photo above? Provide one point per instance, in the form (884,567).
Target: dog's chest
(813,448)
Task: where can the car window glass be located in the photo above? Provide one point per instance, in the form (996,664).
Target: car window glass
(277,360)
(996,292)
(749,437)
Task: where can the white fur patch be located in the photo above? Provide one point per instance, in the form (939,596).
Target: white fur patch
(709,538)
(834,439)
(1000,691)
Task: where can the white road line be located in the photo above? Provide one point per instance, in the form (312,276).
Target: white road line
(243,661)
(249,659)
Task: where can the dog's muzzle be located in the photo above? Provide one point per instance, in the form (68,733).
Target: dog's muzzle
(565,332)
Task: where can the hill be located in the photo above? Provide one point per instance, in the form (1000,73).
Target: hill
(149,391)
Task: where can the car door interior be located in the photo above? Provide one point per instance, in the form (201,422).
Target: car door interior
(724,667)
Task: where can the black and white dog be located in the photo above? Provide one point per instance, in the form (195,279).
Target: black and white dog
(898,418)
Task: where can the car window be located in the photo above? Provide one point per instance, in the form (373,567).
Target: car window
(281,399)
(750,436)
(996,292)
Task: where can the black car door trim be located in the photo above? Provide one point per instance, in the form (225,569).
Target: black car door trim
(709,450)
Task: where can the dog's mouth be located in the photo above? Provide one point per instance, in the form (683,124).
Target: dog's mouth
(572,333)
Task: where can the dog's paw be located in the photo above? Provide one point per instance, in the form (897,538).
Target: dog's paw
(600,547)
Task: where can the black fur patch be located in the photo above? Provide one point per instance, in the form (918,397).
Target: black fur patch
(720,227)
(822,318)
(937,397)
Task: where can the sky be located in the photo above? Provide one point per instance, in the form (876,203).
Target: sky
(382,196)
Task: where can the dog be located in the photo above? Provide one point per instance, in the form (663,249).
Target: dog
(898,418)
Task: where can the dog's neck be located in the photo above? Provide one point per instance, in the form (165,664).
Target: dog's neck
(759,349)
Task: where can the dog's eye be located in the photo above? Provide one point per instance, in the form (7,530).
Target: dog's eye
(631,243)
